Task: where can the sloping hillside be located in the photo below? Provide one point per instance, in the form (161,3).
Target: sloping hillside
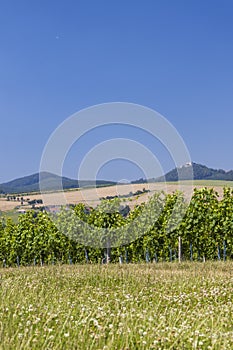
(49,182)
(200,172)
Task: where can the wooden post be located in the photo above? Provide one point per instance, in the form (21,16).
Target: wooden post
(219,253)
(86,255)
(179,250)
(224,250)
(108,253)
(191,252)
(170,250)
(126,256)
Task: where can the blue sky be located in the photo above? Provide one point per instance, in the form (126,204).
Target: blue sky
(57,57)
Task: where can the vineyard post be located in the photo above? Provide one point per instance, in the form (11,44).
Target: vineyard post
(126,256)
(86,255)
(108,252)
(17,260)
(179,249)
(224,250)
(170,250)
(219,253)
(191,252)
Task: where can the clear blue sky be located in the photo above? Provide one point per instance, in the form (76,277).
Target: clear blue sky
(58,57)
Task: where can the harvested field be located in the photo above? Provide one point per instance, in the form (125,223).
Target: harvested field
(91,196)
(7,205)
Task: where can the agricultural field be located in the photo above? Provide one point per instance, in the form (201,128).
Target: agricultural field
(117,306)
(91,196)
(206,183)
(144,298)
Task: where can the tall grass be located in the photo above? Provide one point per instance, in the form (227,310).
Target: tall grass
(144,306)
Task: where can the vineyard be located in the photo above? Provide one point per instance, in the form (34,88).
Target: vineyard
(201,230)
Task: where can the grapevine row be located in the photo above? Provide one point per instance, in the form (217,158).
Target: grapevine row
(205,227)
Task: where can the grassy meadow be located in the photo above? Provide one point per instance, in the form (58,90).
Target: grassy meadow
(141,306)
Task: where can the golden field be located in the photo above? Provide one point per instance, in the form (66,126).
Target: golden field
(91,196)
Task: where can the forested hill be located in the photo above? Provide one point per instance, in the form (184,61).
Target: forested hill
(31,183)
(191,171)
(50,182)
(200,172)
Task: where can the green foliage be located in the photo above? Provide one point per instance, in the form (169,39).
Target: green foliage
(149,232)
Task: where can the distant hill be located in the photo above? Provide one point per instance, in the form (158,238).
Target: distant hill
(31,183)
(191,171)
(200,172)
(49,182)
